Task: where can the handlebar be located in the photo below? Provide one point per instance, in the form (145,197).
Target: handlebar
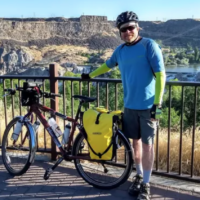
(49,95)
(11,91)
(43,94)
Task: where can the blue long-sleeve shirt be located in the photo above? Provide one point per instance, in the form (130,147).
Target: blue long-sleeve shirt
(137,63)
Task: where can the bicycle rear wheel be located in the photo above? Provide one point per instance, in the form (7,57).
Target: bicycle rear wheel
(16,156)
(104,174)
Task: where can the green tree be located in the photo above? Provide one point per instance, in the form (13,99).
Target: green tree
(191,58)
(175,106)
(175,118)
(189,47)
(69,93)
(10,98)
(196,50)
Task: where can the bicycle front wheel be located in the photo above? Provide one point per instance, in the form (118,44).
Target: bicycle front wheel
(16,155)
(104,174)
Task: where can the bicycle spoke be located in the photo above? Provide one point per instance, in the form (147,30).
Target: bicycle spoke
(16,154)
(104,174)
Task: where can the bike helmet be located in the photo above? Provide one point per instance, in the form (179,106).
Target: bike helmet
(126,17)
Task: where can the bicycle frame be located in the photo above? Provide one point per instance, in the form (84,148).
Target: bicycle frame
(37,108)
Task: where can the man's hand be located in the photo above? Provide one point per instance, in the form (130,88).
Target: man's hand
(85,76)
(155,112)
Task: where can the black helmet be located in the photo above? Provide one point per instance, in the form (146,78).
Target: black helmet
(126,17)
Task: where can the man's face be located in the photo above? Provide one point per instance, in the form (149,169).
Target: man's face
(129,32)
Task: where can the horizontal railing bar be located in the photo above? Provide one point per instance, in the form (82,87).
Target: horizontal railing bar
(182,83)
(90,80)
(23,77)
(175,83)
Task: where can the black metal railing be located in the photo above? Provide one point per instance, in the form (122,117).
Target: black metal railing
(100,87)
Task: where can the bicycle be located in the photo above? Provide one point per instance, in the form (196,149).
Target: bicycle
(19,154)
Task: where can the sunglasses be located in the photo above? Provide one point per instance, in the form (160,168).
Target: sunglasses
(130,28)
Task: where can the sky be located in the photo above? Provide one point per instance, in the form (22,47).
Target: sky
(147,10)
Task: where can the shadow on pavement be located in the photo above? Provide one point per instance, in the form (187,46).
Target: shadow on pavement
(65,183)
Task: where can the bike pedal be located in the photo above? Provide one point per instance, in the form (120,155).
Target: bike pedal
(47,173)
(66,156)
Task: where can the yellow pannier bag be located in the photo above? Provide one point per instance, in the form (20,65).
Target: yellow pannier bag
(99,132)
(119,113)
(101,110)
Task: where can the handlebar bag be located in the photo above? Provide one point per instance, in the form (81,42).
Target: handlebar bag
(29,97)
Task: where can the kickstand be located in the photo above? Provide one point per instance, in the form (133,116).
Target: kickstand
(50,170)
(105,169)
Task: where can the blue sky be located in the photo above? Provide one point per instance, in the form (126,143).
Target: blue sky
(146,9)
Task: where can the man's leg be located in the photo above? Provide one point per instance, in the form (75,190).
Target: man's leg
(147,161)
(134,189)
(132,131)
(137,146)
(147,164)
(148,129)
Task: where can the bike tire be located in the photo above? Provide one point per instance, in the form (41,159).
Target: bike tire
(78,146)
(16,161)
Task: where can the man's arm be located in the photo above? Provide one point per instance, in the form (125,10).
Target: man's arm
(101,70)
(155,57)
(110,63)
(159,91)
(160,86)
(157,63)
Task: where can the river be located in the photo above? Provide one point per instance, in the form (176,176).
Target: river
(193,68)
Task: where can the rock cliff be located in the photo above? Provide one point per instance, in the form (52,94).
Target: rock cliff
(87,30)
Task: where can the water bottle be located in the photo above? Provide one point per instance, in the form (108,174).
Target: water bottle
(66,133)
(17,130)
(55,127)
(36,126)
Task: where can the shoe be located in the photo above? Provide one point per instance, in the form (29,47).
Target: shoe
(144,192)
(134,189)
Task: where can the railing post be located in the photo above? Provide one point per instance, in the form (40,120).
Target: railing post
(53,71)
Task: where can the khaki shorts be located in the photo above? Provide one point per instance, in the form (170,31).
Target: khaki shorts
(137,124)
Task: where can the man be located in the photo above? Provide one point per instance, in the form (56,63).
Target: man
(140,61)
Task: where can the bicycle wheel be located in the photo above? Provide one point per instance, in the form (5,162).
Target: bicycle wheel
(104,174)
(16,156)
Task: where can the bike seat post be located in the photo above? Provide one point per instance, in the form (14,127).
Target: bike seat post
(79,109)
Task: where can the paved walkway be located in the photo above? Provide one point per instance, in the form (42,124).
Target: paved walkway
(65,183)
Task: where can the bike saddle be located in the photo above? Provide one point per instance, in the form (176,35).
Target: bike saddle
(85,99)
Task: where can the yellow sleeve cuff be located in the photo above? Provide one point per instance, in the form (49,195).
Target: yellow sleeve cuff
(101,70)
(159,88)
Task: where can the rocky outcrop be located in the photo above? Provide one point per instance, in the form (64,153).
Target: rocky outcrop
(173,32)
(13,60)
(86,30)
(43,32)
